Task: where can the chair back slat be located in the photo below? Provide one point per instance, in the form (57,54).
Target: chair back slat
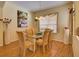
(46,35)
(50,38)
(30,31)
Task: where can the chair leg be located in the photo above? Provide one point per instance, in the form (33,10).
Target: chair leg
(44,50)
(50,47)
(34,50)
(24,52)
(46,47)
(19,51)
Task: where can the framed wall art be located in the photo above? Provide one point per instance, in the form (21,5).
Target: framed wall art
(22,19)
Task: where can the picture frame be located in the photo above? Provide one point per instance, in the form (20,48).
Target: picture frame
(22,19)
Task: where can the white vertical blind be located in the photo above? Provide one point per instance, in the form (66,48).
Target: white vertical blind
(48,22)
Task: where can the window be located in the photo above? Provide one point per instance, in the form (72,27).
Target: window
(48,22)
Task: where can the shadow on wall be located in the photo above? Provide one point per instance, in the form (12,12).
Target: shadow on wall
(77,31)
(75,44)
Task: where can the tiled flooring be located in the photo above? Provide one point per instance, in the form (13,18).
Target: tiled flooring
(58,50)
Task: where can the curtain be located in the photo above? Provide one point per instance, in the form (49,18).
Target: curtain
(48,21)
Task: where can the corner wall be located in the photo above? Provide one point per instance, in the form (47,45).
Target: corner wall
(75,44)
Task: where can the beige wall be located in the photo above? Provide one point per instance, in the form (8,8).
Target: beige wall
(63,19)
(10,11)
(76,16)
(1,28)
(75,46)
(75,43)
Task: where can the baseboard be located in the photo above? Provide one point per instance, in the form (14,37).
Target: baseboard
(17,40)
(58,40)
(61,41)
(9,43)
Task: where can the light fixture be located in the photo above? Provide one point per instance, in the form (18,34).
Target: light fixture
(6,21)
(71,10)
(36,18)
(1,19)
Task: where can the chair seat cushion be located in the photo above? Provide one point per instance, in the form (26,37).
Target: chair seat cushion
(39,42)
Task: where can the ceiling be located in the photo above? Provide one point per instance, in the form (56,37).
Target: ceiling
(39,5)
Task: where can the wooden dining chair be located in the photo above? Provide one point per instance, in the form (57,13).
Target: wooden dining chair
(50,40)
(30,31)
(24,43)
(45,40)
